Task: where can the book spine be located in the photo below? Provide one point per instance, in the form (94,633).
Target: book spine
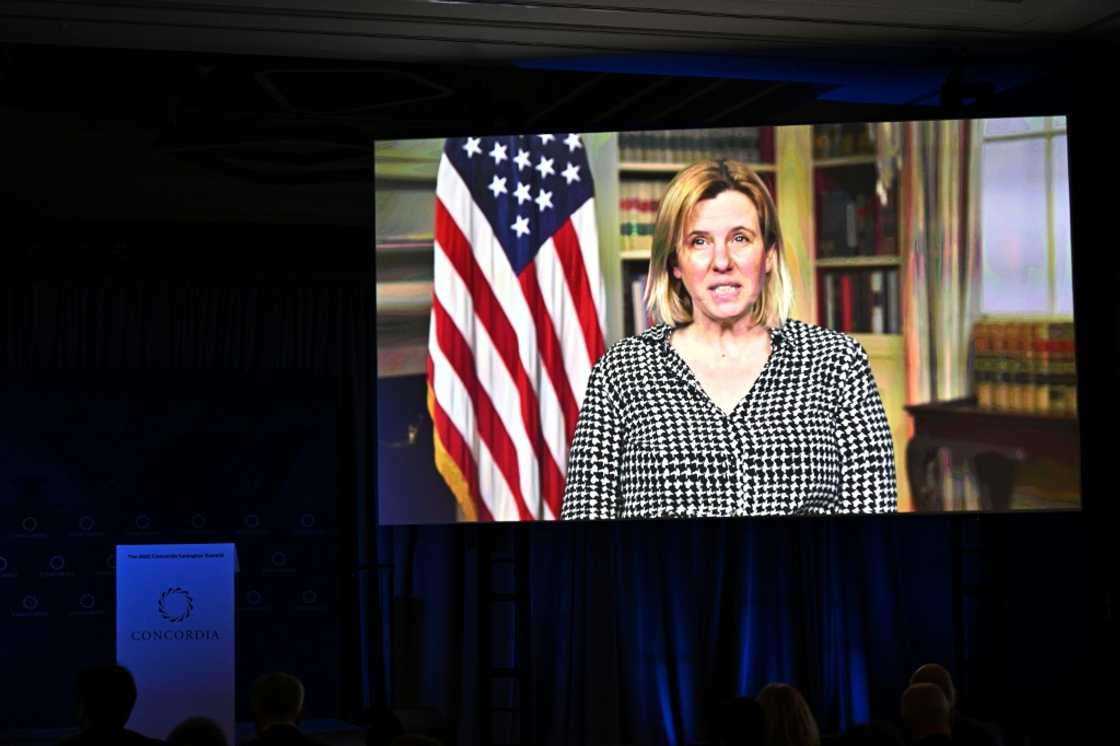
(1011,351)
(655,189)
(1041,344)
(820,143)
(877,310)
(851,234)
(893,302)
(625,223)
(859,295)
(830,299)
(1071,373)
(1001,384)
(1064,388)
(865,222)
(982,365)
(864,301)
(1030,368)
(846,302)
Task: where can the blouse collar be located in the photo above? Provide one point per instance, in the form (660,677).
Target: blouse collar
(780,337)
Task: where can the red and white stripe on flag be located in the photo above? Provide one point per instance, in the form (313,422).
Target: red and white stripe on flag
(517,319)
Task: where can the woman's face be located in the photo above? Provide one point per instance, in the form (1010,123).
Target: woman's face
(721,259)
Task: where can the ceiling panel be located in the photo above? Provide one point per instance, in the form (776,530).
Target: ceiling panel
(438,30)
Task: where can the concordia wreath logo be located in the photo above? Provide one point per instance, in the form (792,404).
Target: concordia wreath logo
(175,604)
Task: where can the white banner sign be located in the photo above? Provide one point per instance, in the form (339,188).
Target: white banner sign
(175,609)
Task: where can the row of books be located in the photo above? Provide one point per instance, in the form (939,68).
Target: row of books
(854,225)
(842,140)
(1025,366)
(860,301)
(688,146)
(637,211)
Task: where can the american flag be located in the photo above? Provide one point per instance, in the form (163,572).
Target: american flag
(517,319)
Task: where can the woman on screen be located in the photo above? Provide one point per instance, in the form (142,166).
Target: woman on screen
(727,407)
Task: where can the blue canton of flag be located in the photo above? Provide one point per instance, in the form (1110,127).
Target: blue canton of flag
(527,185)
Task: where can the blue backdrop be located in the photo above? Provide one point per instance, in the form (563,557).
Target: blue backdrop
(89,460)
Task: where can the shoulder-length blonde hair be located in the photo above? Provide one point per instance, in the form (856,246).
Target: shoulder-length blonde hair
(787,717)
(666,297)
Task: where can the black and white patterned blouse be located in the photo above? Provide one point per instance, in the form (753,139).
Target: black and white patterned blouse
(811,436)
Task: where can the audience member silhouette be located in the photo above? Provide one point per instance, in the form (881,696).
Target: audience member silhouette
(966,731)
(788,719)
(277,701)
(926,715)
(875,733)
(738,722)
(105,697)
(197,732)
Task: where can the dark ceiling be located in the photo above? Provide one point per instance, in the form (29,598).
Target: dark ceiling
(250,109)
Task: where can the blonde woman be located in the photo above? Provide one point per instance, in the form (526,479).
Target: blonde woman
(788,719)
(727,407)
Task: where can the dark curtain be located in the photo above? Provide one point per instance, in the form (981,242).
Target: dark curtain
(52,318)
(638,629)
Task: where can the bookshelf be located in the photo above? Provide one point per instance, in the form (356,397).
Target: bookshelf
(856,261)
(856,246)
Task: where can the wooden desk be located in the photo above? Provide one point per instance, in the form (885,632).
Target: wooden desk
(996,442)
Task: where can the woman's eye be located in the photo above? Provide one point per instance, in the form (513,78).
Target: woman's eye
(740,238)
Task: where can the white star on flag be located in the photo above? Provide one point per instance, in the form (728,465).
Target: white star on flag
(521,226)
(498,186)
(522,192)
(472,146)
(545,167)
(546,139)
(522,159)
(543,200)
(571,173)
(498,153)
(572,141)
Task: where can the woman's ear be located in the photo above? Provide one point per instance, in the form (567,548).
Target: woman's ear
(771,257)
(674,268)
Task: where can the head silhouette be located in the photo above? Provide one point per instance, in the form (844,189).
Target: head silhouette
(277,699)
(789,721)
(931,673)
(926,711)
(197,732)
(105,697)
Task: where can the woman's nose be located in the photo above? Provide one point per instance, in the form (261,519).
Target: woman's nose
(722,258)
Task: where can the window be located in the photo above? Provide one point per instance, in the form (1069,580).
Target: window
(1024,229)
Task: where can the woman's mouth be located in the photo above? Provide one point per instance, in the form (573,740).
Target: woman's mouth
(725,290)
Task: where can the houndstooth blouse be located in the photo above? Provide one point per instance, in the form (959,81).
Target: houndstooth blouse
(811,436)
